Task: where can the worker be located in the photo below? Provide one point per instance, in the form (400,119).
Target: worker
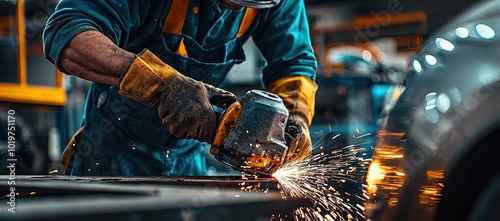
(154,67)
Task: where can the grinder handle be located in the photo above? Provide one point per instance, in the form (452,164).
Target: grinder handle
(227,122)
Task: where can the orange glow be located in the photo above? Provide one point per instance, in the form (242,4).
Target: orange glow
(386,175)
(430,193)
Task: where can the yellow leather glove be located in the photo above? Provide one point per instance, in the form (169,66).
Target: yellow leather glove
(184,104)
(298,94)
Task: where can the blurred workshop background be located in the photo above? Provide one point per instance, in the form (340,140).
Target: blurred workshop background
(363,47)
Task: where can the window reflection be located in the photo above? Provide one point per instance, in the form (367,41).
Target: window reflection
(39,70)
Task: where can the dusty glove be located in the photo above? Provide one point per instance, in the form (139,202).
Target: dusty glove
(298,138)
(298,94)
(184,104)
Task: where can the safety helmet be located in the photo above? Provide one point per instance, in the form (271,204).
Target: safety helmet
(239,4)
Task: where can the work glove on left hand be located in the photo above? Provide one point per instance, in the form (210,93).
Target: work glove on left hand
(298,94)
(184,104)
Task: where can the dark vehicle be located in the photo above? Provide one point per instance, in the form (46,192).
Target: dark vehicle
(437,149)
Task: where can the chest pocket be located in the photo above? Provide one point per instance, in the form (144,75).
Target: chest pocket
(187,56)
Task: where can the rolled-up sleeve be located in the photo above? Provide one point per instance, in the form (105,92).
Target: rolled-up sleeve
(285,43)
(113,18)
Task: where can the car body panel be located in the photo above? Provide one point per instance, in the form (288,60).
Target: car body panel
(450,104)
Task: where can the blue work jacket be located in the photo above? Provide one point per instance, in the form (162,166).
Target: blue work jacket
(197,38)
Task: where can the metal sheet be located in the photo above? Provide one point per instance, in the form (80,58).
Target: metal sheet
(143,198)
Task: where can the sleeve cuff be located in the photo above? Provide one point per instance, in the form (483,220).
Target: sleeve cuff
(62,38)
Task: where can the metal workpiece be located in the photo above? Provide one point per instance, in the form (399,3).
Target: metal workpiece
(143,198)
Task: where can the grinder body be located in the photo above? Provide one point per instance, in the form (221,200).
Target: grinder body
(251,133)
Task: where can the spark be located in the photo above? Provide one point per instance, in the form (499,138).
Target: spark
(361,136)
(312,178)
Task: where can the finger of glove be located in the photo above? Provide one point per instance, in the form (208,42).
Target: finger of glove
(206,127)
(219,97)
(176,121)
(199,131)
(205,134)
(298,119)
(204,130)
(188,115)
(196,122)
(305,147)
(222,101)
(300,147)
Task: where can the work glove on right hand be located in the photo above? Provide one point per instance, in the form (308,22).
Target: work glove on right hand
(298,138)
(184,104)
(298,94)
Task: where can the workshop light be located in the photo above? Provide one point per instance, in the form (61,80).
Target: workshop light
(444,44)
(430,59)
(455,96)
(443,103)
(487,78)
(432,116)
(417,66)
(367,56)
(462,32)
(430,101)
(485,31)
(430,113)
(381,56)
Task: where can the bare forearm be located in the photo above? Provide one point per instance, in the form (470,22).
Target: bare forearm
(92,56)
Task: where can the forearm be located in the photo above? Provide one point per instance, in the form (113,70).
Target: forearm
(286,23)
(92,56)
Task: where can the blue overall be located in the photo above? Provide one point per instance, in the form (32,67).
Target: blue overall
(197,38)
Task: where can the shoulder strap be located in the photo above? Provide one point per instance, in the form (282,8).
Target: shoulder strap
(176,16)
(248,19)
